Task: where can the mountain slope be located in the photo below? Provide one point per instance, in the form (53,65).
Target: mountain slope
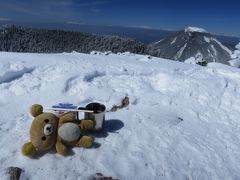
(182,121)
(189,43)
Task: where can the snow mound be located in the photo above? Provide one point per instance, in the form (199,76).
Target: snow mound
(12,71)
(195,29)
(235,63)
(238,46)
(235,57)
(191,60)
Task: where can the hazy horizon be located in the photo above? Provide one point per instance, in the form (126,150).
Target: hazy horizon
(220,17)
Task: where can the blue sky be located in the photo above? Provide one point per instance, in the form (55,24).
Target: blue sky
(217,16)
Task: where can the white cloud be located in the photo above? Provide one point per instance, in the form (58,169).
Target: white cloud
(93,3)
(75,23)
(4,19)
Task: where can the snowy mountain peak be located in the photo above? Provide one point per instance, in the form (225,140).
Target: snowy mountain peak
(195,29)
(185,44)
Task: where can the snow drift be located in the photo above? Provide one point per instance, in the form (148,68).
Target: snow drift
(235,57)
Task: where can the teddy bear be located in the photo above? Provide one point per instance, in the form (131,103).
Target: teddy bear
(47,130)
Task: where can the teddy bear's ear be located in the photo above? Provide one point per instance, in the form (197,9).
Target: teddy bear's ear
(28,149)
(36,110)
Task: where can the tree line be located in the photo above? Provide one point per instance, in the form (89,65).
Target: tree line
(19,39)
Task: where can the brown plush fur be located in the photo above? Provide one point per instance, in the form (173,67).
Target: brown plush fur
(40,141)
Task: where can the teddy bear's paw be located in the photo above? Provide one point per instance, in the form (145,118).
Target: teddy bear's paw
(85,142)
(61,149)
(28,149)
(87,124)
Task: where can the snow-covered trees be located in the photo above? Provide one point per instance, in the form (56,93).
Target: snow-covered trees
(236,57)
(17,39)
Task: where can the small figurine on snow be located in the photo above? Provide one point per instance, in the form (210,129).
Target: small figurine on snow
(48,130)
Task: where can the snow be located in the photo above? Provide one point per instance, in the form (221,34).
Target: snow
(158,41)
(238,46)
(174,40)
(207,39)
(235,57)
(195,29)
(198,58)
(191,60)
(182,121)
(179,53)
(235,62)
(214,50)
(9,73)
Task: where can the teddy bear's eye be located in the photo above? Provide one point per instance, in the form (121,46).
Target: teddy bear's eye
(44,138)
(46,120)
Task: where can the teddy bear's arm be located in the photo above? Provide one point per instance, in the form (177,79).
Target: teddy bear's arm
(87,124)
(61,148)
(85,142)
(28,149)
(69,117)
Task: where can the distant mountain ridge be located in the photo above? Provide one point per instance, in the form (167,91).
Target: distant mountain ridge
(190,42)
(180,46)
(143,34)
(19,39)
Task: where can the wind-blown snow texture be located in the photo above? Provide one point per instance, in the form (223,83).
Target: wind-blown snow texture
(182,121)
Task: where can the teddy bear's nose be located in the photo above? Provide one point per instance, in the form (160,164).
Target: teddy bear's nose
(48,129)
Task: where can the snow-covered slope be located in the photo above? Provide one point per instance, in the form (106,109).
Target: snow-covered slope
(182,121)
(190,42)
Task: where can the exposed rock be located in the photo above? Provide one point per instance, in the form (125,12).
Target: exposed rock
(14,172)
